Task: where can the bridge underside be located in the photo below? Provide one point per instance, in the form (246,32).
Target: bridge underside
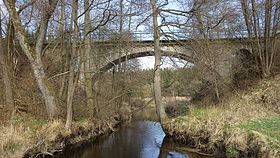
(115,62)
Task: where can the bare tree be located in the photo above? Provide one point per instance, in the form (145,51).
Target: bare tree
(65,52)
(88,66)
(157,50)
(74,65)
(34,53)
(262,24)
(5,71)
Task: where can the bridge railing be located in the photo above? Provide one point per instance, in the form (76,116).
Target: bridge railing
(176,35)
(148,36)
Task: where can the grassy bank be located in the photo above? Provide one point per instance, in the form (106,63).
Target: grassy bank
(244,124)
(28,136)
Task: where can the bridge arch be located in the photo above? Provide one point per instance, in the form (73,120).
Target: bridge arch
(117,61)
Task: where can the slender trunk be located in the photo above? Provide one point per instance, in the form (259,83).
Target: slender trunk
(130,17)
(121,37)
(246,14)
(73,79)
(113,81)
(6,79)
(73,74)
(119,85)
(275,28)
(267,31)
(256,29)
(50,31)
(10,46)
(65,56)
(87,61)
(157,51)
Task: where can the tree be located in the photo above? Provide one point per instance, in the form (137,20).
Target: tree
(87,62)
(74,65)
(262,24)
(5,71)
(88,66)
(204,21)
(157,51)
(34,53)
(65,52)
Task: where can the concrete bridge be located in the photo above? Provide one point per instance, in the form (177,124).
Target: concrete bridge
(219,54)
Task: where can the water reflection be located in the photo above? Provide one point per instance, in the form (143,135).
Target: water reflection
(140,139)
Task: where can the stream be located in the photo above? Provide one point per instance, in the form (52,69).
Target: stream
(136,139)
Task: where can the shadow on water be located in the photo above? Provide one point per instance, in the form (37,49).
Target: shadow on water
(138,139)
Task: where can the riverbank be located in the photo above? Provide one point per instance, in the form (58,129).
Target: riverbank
(32,137)
(246,124)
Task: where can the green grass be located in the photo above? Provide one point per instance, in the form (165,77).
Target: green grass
(266,126)
(198,112)
(232,151)
(35,124)
(12,146)
(16,120)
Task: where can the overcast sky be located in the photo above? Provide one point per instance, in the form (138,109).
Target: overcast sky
(148,62)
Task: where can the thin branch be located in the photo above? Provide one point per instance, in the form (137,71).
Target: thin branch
(60,74)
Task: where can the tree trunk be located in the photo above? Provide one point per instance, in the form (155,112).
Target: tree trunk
(65,53)
(73,74)
(263,42)
(87,60)
(256,27)
(246,14)
(118,84)
(7,82)
(11,57)
(41,79)
(157,51)
(267,32)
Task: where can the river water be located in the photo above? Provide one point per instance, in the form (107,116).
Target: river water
(137,139)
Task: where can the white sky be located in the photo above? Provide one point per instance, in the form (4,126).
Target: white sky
(167,62)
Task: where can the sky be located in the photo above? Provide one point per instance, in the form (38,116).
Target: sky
(167,62)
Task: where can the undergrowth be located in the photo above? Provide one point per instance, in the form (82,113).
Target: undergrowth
(247,123)
(21,133)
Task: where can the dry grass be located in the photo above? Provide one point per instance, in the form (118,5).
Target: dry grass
(22,133)
(222,123)
(13,141)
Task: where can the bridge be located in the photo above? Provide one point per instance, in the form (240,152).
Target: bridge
(221,54)
(218,53)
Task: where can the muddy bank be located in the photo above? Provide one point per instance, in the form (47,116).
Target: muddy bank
(78,135)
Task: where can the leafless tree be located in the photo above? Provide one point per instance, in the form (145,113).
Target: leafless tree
(74,65)
(34,53)
(88,66)
(262,24)
(157,50)
(6,79)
